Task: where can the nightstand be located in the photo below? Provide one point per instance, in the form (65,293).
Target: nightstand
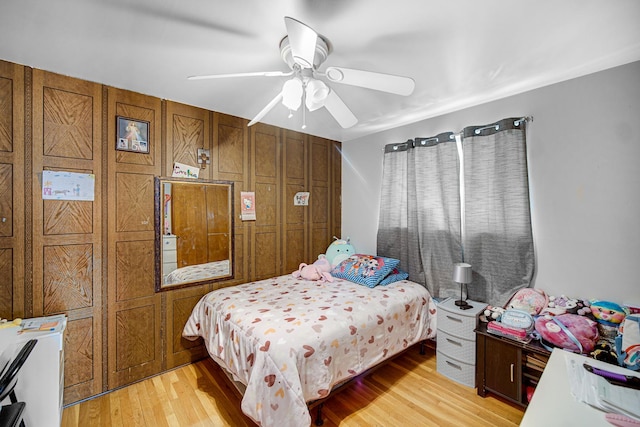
(456,340)
(508,367)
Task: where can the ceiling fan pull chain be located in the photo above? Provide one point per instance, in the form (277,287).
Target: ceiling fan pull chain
(304,109)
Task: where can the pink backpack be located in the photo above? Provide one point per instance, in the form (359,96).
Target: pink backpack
(572,332)
(529,300)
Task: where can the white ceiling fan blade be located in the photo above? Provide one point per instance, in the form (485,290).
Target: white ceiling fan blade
(302,40)
(339,110)
(255,74)
(266,109)
(378,81)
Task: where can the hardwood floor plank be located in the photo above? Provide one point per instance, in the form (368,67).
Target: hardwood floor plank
(407,391)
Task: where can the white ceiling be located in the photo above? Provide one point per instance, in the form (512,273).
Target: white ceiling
(460,52)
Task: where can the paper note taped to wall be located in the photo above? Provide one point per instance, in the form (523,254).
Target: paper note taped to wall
(60,185)
(301,199)
(180,170)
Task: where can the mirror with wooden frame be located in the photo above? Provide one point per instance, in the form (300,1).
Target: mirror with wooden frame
(194,232)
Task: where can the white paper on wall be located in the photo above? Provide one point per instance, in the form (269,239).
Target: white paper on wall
(301,199)
(61,185)
(180,170)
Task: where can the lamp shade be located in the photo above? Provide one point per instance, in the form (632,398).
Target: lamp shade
(292,94)
(316,93)
(462,273)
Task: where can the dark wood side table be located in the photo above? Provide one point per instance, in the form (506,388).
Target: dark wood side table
(507,367)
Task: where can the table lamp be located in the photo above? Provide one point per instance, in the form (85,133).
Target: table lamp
(462,275)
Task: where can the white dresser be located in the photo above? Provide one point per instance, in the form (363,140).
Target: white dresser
(169,254)
(456,340)
(41,379)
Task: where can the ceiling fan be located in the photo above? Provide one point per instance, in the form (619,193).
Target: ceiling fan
(304,51)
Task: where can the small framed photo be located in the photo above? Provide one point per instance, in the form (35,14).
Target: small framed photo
(132,135)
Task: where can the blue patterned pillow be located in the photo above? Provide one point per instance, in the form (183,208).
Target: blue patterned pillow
(395,276)
(366,270)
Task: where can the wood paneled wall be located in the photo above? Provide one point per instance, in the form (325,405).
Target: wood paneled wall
(94,260)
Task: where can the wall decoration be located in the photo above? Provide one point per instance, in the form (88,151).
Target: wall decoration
(204,157)
(301,198)
(132,135)
(60,185)
(248,206)
(181,170)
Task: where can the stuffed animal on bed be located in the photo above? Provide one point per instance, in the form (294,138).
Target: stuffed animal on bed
(339,251)
(319,270)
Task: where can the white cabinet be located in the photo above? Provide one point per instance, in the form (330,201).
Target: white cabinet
(456,340)
(169,254)
(41,379)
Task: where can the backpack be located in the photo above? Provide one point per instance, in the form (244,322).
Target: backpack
(628,343)
(571,332)
(529,300)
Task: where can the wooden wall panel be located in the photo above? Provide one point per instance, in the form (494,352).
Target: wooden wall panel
(134,202)
(295,179)
(134,348)
(336,189)
(135,262)
(12,191)
(94,260)
(80,376)
(68,124)
(6,288)
(230,162)
(134,310)
(6,200)
(320,204)
(187,129)
(6,108)
(265,173)
(65,217)
(179,305)
(67,235)
(68,278)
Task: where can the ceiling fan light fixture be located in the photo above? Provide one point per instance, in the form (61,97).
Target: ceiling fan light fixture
(316,93)
(292,94)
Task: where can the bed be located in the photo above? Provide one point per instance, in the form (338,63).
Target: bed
(197,272)
(291,341)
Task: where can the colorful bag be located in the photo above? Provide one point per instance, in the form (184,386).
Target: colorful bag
(517,319)
(529,300)
(572,332)
(628,343)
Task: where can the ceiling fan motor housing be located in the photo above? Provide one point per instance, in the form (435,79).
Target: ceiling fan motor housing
(321,53)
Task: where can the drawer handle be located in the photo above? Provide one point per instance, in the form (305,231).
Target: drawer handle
(453,365)
(459,344)
(455,319)
(512,372)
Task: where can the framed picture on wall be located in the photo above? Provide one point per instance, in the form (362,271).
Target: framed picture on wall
(132,135)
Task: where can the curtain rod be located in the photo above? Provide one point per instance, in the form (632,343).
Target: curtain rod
(496,125)
(403,146)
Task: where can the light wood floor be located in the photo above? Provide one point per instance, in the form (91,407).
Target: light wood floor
(408,391)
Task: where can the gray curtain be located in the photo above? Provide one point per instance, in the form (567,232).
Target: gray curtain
(420,211)
(498,241)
